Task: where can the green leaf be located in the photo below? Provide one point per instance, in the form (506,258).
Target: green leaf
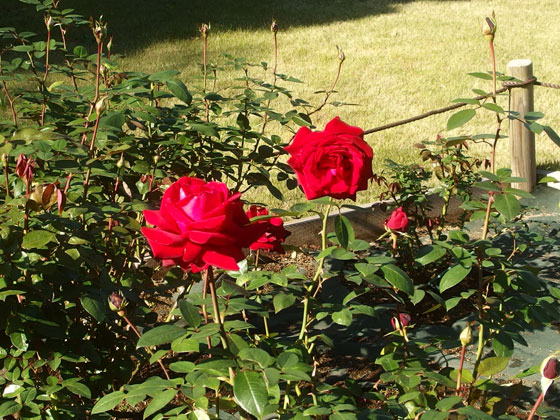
(8,408)
(256,355)
(344,230)
(474,413)
(287,360)
(398,278)
(37,239)
(492,365)
(159,401)
(160,335)
(430,253)
(448,403)
(182,367)
(484,76)
(460,118)
(343,317)
(503,345)
(434,415)
(108,402)
(179,90)
(190,313)
(94,306)
(552,135)
(283,301)
(493,107)
(453,276)
(77,388)
(163,76)
(507,204)
(250,392)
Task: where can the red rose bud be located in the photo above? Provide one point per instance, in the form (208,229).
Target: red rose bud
(274,26)
(205,29)
(398,221)
(275,233)
(550,368)
(401,322)
(489,27)
(117,302)
(335,162)
(200,224)
(24,167)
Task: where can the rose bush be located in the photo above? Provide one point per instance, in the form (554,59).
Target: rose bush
(200,224)
(275,233)
(398,221)
(335,162)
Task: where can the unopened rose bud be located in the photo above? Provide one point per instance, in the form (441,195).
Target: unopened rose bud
(341,56)
(401,322)
(274,26)
(110,43)
(100,105)
(4,159)
(120,162)
(99,29)
(466,336)
(48,22)
(550,368)
(489,27)
(205,29)
(117,303)
(156,159)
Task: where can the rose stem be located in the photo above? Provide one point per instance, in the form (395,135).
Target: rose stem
(44,86)
(91,146)
(96,97)
(8,97)
(265,320)
(537,403)
(6,174)
(131,325)
(316,278)
(463,348)
(204,312)
(217,317)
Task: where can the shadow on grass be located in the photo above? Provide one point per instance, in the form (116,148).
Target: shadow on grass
(138,23)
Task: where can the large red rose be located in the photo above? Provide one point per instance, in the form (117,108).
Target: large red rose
(398,221)
(200,224)
(334,162)
(275,233)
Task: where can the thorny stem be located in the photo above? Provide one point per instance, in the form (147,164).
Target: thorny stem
(460,374)
(204,311)
(45,75)
(480,305)
(91,147)
(68,62)
(274,77)
(330,91)
(316,277)
(131,325)
(96,97)
(7,180)
(8,97)
(537,403)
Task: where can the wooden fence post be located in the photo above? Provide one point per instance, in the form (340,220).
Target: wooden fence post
(523,163)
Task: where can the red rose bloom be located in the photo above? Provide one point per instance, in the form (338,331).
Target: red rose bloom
(200,224)
(275,233)
(397,221)
(334,162)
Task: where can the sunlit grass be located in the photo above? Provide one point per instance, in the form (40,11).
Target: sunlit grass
(402,58)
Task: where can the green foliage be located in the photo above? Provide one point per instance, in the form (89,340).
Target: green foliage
(70,237)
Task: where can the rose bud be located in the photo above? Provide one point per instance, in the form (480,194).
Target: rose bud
(335,162)
(274,26)
(205,29)
(466,336)
(275,233)
(341,56)
(117,303)
(401,322)
(489,27)
(24,167)
(48,22)
(100,105)
(398,221)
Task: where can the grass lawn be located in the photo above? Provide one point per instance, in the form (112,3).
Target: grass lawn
(402,58)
